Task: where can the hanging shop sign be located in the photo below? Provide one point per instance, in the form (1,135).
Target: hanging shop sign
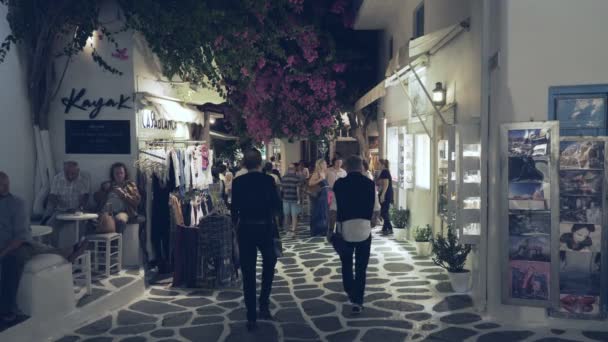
(97,137)
(148,120)
(78,101)
(531,213)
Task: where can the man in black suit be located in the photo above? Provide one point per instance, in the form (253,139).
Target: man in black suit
(255,207)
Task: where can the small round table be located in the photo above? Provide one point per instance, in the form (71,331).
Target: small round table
(76,218)
(40,231)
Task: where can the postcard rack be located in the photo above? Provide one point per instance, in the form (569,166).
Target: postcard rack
(583,214)
(530,212)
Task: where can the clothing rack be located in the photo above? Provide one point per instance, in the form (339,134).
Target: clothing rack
(151,154)
(165,141)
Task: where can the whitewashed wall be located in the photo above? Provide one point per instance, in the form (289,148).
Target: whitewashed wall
(456,65)
(17,154)
(542,43)
(83,72)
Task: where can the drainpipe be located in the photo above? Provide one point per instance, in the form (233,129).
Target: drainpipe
(485,144)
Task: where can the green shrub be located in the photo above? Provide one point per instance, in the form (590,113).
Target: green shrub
(423,233)
(400,217)
(449,253)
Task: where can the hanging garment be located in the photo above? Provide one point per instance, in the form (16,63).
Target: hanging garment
(187,258)
(217,249)
(196,167)
(176,169)
(187,171)
(160,221)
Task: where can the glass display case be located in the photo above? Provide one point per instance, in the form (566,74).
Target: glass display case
(468,182)
(446,178)
(400,153)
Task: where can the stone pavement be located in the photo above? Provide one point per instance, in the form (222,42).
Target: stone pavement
(408,298)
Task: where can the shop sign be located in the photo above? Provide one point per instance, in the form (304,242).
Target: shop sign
(94,106)
(97,137)
(148,120)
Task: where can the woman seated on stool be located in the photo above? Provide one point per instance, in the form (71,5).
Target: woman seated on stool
(120,195)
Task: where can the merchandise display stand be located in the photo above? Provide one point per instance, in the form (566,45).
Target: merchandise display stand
(583,215)
(446,178)
(468,183)
(530,212)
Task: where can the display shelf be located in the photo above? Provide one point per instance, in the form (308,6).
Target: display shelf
(468,181)
(530,214)
(584,215)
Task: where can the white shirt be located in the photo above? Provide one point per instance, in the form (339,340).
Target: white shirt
(333,175)
(355,230)
(241,172)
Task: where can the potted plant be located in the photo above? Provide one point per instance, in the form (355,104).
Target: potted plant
(400,218)
(423,236)
(451,255)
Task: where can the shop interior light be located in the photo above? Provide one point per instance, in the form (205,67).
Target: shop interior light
(439,94)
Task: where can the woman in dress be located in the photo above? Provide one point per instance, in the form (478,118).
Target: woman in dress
(120,195)
(319,199)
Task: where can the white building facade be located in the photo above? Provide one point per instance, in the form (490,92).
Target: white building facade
(499,61)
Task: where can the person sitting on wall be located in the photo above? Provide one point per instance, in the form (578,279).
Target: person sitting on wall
(17,247)
(70,191)
(119,196)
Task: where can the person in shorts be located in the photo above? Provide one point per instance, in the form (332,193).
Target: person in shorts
(291,198)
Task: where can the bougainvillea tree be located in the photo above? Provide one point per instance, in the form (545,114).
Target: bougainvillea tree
(279,63)
(283,65)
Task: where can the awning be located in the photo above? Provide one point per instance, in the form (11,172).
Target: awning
(417,51)
(430,43)
(171,110)
(399,61)
(374,94)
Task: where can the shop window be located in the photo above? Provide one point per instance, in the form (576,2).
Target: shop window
(419,21)
(580,110)
(422,147)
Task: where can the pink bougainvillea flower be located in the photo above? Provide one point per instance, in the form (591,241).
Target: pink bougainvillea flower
(261,63)
(245,72)
(339,67)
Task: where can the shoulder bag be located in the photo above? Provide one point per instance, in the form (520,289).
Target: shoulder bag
(336,238)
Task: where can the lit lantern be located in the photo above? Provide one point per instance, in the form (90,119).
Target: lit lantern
(439,95)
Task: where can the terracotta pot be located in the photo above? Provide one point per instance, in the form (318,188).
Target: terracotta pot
(460,281)
(424,248)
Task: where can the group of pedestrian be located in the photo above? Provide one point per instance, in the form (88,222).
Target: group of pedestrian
(344,212)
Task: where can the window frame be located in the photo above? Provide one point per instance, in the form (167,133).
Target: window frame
(418,20)
(557,93)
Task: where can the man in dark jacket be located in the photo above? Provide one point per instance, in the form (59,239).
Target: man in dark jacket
(255,205)
(355,208)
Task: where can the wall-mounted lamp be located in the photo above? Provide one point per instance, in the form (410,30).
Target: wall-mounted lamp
(212,120)
(439,94)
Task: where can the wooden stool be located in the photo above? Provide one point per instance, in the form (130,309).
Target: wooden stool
(106,252)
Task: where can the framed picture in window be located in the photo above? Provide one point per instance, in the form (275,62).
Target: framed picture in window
(581,110)
(581,114)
